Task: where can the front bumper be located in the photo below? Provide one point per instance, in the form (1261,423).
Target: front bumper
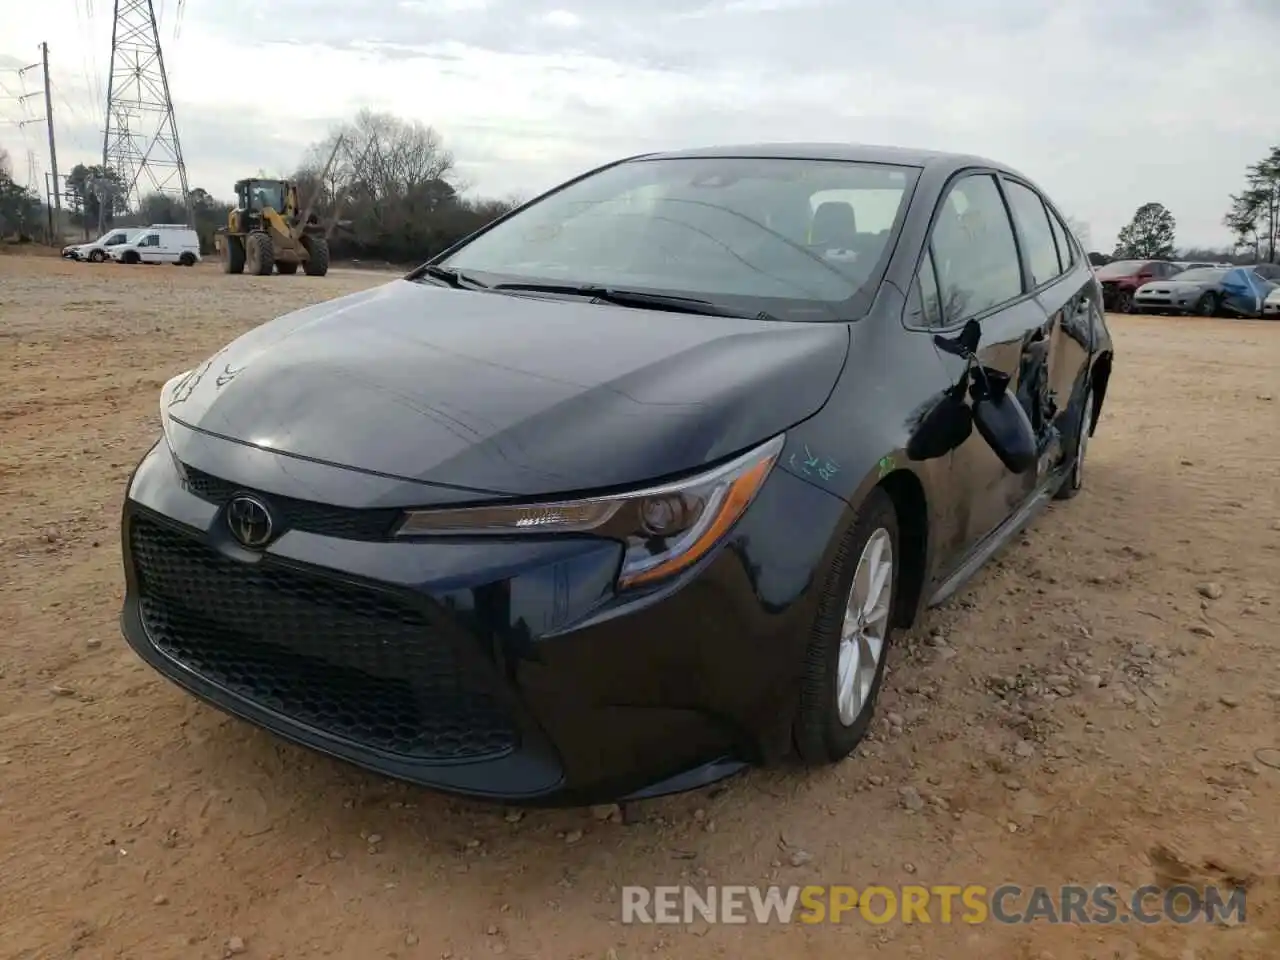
(1164,302)
(507,670)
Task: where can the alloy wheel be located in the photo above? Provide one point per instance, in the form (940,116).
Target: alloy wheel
(1082,442)
(865,627)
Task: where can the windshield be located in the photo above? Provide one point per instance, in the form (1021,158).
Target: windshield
(111,239)
(1120,268)
(265,194)
(795,238)
(1198,274)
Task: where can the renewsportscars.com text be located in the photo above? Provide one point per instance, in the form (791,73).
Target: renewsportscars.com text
(943,903)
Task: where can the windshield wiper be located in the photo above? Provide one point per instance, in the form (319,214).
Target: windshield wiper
(454,278)
(631,298)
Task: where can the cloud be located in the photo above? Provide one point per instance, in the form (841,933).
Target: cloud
(1107,105)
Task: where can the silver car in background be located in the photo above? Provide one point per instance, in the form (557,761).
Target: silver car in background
(1196,290)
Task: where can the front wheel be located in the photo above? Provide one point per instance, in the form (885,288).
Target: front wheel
(1124,303)
(259,254)
(97,256)
(233,255)
(844,663)
(317,262)
(1207,305)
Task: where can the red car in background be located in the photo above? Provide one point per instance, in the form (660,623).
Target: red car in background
(1120,278)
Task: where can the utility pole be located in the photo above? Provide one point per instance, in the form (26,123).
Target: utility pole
(53,149)
(53,187)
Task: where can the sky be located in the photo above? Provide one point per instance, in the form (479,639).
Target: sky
(1106,104)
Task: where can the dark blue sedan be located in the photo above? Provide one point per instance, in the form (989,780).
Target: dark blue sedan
(632,487)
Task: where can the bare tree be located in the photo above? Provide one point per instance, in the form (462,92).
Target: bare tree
(396,184)
(1081,230)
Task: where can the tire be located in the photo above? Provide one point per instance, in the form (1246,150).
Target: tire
(822,734)
(1073,482)
(1207,305)
(317,262)
(233,255)
(97,256)
(288,269)
(187,260)
(259,254)
(131,257)
(1124,303)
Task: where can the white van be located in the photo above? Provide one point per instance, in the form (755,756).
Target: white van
(96,251)
(160,243)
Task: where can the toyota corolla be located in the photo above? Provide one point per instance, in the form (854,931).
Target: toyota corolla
(632,487)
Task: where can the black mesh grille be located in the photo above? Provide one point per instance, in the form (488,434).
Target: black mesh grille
(343,522)
(344,659)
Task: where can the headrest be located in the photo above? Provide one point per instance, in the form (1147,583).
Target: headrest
(834,220)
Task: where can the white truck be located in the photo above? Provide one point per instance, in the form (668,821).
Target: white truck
(160,243)
(96,251)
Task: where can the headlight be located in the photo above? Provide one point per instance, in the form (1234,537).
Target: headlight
(665,528)
(166,425)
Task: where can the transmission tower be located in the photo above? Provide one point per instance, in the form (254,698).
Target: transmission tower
(141,141)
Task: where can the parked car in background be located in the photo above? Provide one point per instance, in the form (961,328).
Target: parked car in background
(1121,278)
(1267,271)
(1196,290)
(152,245)
(631,487)
(1207,291)
(1271,305)
(96,251)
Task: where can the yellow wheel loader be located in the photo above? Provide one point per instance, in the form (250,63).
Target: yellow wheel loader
(267,229)
(270,229)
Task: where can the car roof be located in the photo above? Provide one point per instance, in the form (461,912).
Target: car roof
(854,152)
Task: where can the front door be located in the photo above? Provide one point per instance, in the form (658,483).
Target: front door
(149,248)
(972,271)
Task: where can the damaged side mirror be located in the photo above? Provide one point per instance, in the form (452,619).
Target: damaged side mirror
(999,417)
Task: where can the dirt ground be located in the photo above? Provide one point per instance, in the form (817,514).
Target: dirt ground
(1099,705)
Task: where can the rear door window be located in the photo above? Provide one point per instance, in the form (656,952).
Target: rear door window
(1040,249)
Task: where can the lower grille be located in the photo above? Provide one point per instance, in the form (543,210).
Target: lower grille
(346,660)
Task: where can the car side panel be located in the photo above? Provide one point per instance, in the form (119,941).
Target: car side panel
(891,378)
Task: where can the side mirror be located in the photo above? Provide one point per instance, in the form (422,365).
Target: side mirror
(1002,421)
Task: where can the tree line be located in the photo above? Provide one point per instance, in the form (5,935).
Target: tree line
(21,213)
(396,193)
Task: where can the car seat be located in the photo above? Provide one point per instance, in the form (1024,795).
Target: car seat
(835,225)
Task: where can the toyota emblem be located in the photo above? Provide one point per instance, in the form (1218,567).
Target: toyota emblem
(249,521)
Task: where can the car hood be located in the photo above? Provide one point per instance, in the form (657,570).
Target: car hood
(509,395)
